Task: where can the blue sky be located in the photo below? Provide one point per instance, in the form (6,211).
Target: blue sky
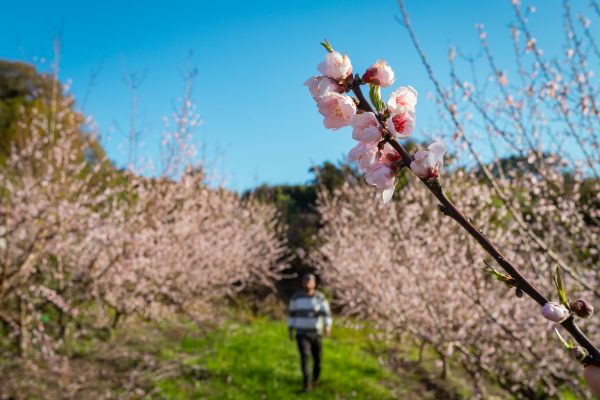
(260,124)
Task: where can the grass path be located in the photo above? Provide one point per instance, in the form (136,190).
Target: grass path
(256,360)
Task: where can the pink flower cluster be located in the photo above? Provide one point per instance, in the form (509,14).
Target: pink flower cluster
(375,157)
(328,91)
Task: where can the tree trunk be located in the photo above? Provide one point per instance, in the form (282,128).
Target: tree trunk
(23,328)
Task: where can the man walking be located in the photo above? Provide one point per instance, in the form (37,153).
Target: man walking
(309,315)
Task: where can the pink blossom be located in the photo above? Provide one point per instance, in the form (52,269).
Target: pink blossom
(555,312)
(405,97)
(380,74)
(336,66)
(365,154)
(427,162)
(366,128)
(321,86)
(389,155)
(382,177)
(387,194)
(401,123)
(338,110)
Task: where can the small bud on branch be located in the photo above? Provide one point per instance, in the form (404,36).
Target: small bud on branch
(582,309)
(555,312)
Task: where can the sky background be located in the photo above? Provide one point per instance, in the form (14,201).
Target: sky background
(260,123)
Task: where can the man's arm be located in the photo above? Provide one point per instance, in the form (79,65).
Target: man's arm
(291,318)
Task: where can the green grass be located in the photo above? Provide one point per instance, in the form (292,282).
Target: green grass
(256,360)
(244,357)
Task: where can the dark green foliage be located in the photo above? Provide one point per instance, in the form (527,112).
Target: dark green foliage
(297,207)
(22,89)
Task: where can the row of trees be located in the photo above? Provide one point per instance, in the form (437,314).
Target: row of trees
(410,269)
(404,267)
(84,245)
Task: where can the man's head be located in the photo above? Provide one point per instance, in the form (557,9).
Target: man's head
(309,282)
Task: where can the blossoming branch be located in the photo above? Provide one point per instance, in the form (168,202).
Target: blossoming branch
(377,127)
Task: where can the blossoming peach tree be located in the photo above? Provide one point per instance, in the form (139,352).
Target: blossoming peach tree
(377,127)
(84,246)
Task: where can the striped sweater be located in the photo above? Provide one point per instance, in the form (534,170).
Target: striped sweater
(309,313)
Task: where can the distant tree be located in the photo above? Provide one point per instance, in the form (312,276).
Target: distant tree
(23,92)
(297,207)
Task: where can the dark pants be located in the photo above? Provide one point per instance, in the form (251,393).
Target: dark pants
(309,343)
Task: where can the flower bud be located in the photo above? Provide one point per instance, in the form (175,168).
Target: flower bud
(518,292)
(579,353)
(336,66)
(591,374)
(582,308)
(555,312)
(380,74)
